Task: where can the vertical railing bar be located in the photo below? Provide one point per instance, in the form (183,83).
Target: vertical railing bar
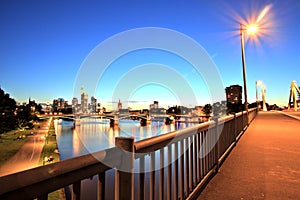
(235,127)
(101,186)
(142,177)
(176,161)
(211,152)
(243,120)
(199,156)
(181,182)
(223,141)
(161,174)
(152,175)
(232,130)
(186,153)
(205,152)
(196,157)
(191,162)
(195,160)
(202,154)
(212,149)
(169,177)
(208,150)
(218,145)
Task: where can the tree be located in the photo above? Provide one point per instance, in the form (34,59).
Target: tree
(175,110)
(25,116)
(219,109)
(7,112)
(207,109)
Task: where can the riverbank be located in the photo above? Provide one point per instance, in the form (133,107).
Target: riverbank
(50,151)
(50,154)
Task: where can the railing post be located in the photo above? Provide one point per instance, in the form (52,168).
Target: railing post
(76,190)
(124,181)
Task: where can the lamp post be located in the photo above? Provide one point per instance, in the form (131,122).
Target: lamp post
(251,29)
(257,83)
(256,93)
(242,30)
(263,95)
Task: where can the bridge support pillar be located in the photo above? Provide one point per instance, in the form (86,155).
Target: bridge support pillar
(148,119)
(116,119)
(111,122)
(168,121)
(77,121)
(143,122)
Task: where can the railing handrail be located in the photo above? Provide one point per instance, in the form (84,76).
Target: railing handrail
(159,141)
(89,165)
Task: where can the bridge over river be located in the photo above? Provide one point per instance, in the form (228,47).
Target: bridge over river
(143,118)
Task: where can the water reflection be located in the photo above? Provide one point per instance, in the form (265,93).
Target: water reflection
(96,134)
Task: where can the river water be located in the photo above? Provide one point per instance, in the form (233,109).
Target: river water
(96,134)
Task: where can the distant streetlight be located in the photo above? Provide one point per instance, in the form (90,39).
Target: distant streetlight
(251,29)
(263,95)
(257,83)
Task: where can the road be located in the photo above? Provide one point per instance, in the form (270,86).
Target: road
(29,154)
(265,163)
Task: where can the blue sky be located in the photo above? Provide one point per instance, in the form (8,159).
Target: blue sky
(44,43)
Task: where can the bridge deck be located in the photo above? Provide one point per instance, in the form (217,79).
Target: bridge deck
(265,163)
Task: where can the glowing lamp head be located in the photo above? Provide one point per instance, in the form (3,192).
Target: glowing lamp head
(259,83)
(252,28)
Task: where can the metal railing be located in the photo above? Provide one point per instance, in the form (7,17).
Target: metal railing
(175,165)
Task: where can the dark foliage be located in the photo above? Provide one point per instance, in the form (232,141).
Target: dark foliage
(7,112)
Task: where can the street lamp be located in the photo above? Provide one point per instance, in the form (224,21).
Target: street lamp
(257,83)
(251,29)
(263,96)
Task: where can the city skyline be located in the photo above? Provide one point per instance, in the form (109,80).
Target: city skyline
(45,44)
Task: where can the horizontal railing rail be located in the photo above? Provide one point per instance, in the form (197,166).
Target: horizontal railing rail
(175,165)
(38,182)
(157,142)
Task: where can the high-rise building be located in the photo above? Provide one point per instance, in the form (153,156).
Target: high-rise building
(75,105)
(234,94)
(93,105)
(58,104)
(74,102)
(84,101)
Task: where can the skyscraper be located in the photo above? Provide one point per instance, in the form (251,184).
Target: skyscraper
(75,105)
(93,104)
(84,101)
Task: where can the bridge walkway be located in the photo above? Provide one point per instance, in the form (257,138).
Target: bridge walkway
(265,163)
